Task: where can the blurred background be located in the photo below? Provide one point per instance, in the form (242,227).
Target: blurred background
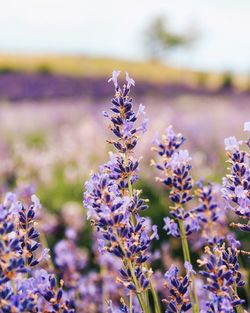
(190,60)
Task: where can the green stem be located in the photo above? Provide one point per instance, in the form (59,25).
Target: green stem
(139,296)
(147,301)
(239,308)
(130,266)
(155,297)
(133,219)
(44,242)
(186,254)
(246,288)
(130,187)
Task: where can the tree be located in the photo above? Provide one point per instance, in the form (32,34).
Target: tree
(160,39)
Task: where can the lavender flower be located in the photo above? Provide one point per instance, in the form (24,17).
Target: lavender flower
(236,185)
(113,205)
(114,78)
(45,285)
(119,277)
(231,143)
(247,126)
(123,117)
(223,277)
(211,216)
(28,234)
(175,167)
(70,260)
(178,300)
(23,289)
(11,260)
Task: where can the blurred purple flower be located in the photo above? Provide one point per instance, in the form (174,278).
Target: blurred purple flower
(114,78)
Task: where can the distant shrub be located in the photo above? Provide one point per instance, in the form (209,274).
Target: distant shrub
(44,69)
(227,81)
(202,79)
(6,69)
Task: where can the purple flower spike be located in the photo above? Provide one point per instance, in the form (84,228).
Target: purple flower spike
(175,167)
(178,300)
(123,118)
(236,184)
(113,203)
(222,277)
(23,286)
(171,227)
(211,214)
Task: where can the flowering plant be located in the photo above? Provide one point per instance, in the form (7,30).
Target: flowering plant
(126,276)
(114,207)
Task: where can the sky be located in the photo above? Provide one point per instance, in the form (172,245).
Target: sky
(115,28)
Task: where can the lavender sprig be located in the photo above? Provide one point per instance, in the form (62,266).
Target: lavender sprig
(223,278)
(24,288)
(236,185)
(113,205)
(175,167)
(178,300)
(211,215)
(28,235)
(70,260)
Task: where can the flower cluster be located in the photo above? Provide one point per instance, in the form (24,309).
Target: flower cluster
(71,260)
(23,286)
(236,185)
(123,117)
(112,202)
(177,285)
(211,215)
(119,277)
(175,167)
(223,277)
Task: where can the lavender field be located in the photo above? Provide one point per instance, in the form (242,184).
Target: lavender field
(60,132)
(100,213)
